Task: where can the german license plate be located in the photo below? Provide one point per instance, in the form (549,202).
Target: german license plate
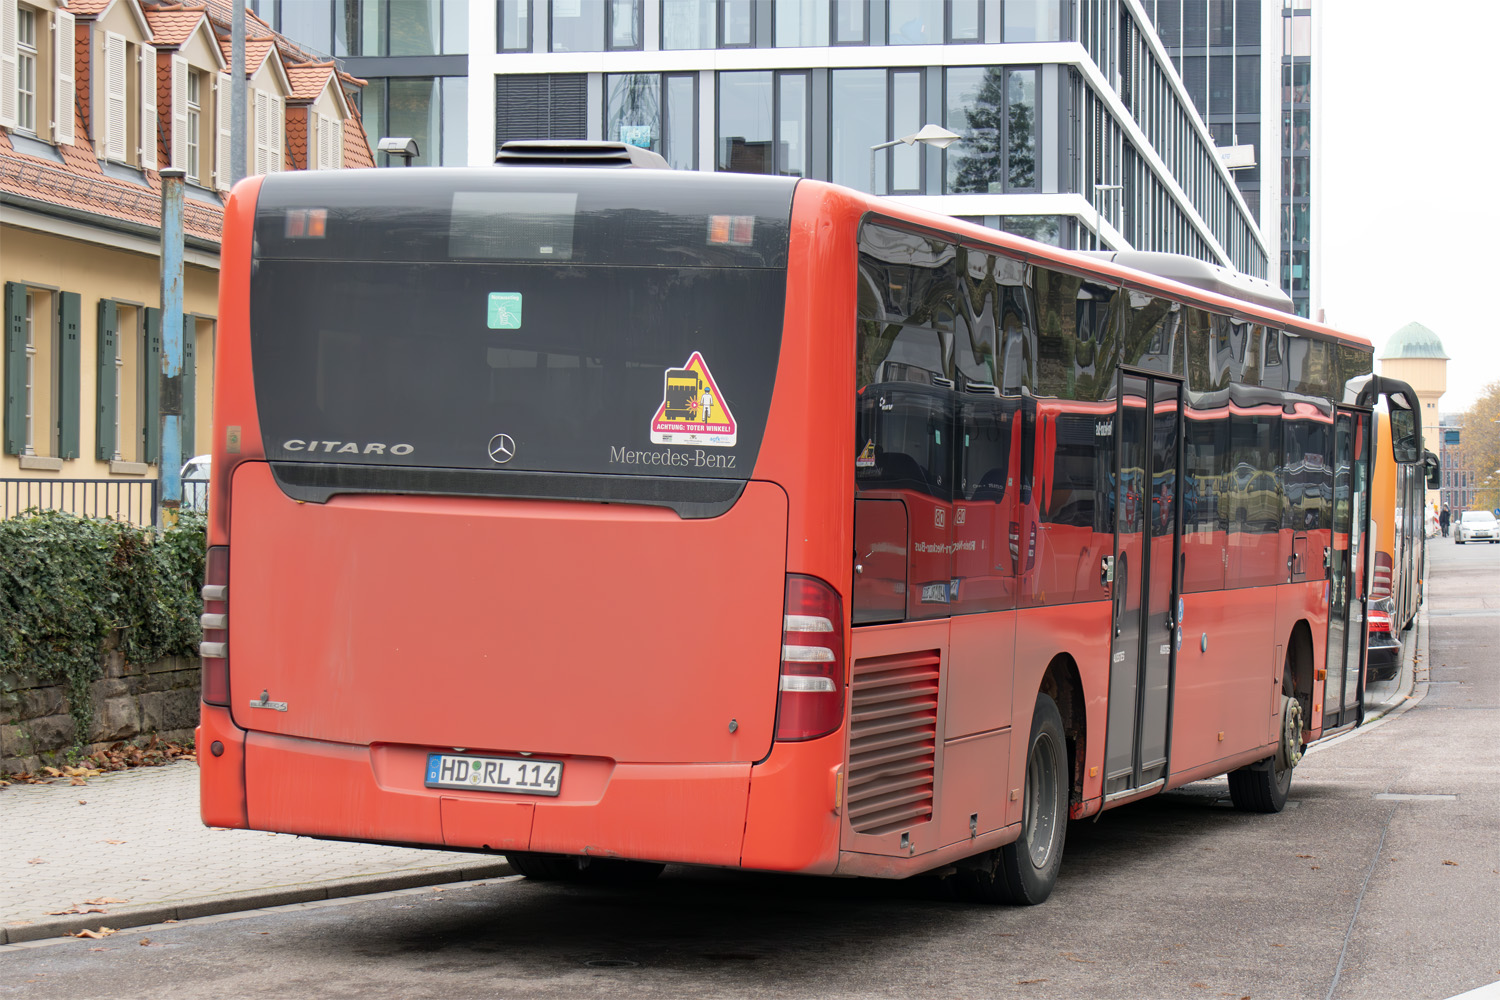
(494,774)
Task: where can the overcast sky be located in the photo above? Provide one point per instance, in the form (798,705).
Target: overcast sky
(1411,177)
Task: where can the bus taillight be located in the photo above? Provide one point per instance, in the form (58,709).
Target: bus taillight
(1380,584)
(810,702)
(214,649)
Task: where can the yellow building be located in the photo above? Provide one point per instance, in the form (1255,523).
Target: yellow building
(1415,355)
(95,97)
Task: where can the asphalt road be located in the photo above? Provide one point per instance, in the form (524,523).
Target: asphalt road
(1381,879)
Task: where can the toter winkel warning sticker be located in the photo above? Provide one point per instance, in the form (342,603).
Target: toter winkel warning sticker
(692,408)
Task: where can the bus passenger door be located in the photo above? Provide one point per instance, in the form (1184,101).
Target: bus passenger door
(1343,687)
(1147,520)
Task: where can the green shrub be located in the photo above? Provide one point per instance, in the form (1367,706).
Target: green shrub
(67,582)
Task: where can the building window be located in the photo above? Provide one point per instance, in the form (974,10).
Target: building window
(513,22)
(194,123)
(994,109)
(656,112)
(870,107)
(596,25)
(431,110)
(1031,20)
(539,107)
(691,24)
(763,122)
(26,59)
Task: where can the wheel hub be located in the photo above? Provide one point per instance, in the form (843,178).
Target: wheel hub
(1289,750)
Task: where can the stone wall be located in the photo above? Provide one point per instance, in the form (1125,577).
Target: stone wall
(129,700)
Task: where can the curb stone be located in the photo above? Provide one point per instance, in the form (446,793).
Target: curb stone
(207,906)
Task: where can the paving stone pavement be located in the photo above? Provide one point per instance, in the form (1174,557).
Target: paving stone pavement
(135,836)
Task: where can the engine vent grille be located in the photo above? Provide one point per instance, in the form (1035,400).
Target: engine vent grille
(893,741)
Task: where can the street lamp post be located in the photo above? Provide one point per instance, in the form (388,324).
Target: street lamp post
(929,135)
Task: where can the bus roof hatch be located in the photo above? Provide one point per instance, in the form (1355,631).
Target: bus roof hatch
(577,153)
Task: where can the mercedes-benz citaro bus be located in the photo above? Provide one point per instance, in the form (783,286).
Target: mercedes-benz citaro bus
(965,535)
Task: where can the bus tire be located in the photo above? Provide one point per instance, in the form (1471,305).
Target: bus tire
(1024,872)
(1263,787)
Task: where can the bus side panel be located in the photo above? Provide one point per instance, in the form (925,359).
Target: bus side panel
(1303,602)
(236,421)
(808,446)
(1082,633)
(1225,695)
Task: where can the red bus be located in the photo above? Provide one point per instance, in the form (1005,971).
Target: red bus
(966,537)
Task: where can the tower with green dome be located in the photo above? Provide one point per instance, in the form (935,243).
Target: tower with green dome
(1415,355)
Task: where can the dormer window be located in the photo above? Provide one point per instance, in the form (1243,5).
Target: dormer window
(26,68)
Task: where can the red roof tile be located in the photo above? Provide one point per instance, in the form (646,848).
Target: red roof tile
(174,24)
(296,137)
(309,79)
(88,8)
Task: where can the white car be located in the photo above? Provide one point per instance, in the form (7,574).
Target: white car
(1476,526)
(195,482)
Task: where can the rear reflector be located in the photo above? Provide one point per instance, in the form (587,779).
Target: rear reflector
(810,702)
(214,649)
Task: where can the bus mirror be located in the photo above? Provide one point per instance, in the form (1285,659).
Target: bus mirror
(1434,470)
(1405,438)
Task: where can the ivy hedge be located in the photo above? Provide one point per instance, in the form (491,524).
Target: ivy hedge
(67,582)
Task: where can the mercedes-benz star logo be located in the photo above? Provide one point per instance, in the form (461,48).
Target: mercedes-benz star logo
(502,448)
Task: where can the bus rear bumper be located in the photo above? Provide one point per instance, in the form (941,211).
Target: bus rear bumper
(686,813)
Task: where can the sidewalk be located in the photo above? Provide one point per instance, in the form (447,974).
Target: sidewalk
(134,838)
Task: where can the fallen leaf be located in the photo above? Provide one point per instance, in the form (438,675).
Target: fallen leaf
(1304,855)
(1278,946)
(53,771)
(1028,982)
(101,949)
(37,861)
(104,901)
(1453,863)
(77,781)
(74,909)
(111,841)
(102,932)
(83,802)
(146,943)
(1313,868)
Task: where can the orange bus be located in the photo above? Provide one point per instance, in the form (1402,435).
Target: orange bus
(1398,528)
(968,536)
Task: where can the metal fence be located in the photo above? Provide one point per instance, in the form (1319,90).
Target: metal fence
(133,500)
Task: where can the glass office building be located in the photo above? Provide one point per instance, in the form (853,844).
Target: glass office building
(1249,67)
(1076,126)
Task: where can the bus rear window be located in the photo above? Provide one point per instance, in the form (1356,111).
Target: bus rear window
(499,339)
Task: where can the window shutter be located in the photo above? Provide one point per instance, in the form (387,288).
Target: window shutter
(104,414)
(277,123)
(63,87)
(148,107)
(69,348)
(336,143)
(179,111)
(9,97)
(262,118)
(186,424)
(325,129)
(15,366)
(114,96)
(222,122)
(150,426)
(554,106)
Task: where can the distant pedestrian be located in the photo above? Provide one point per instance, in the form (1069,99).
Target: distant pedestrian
(1443,520)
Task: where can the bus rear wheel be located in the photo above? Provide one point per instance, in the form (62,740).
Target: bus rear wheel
(1024,872)
(1263,787)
